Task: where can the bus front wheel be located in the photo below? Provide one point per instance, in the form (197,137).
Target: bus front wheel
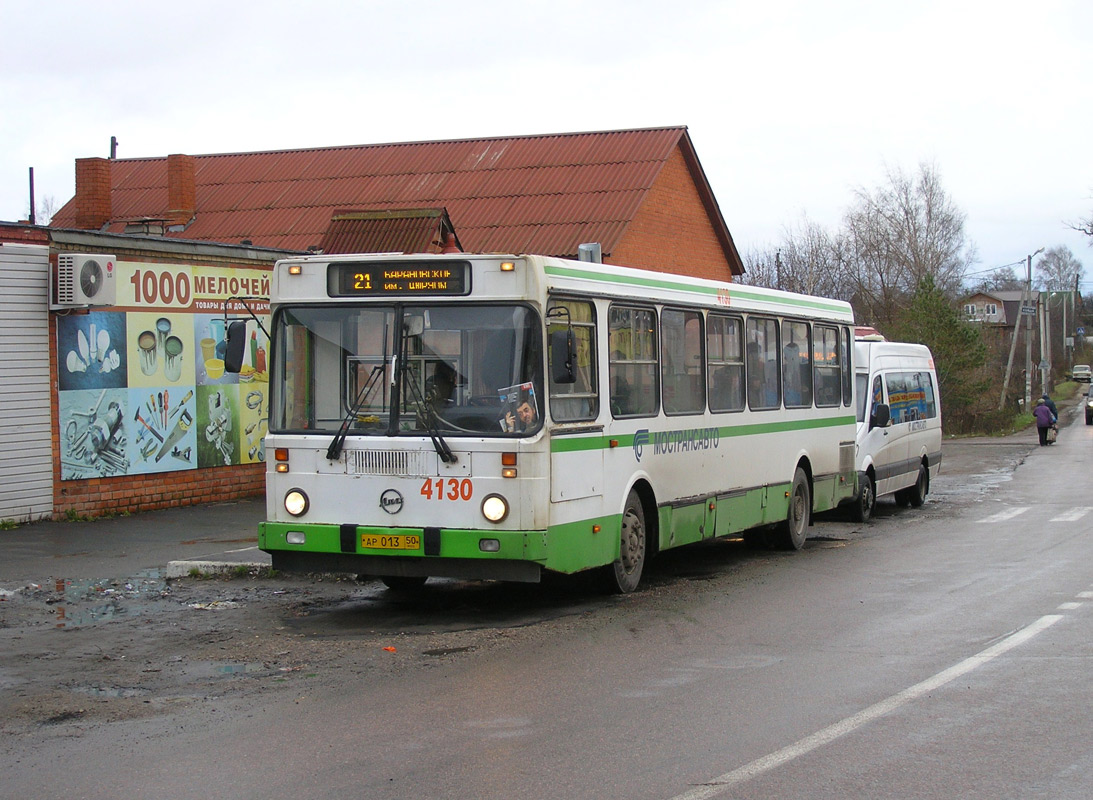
(624,575)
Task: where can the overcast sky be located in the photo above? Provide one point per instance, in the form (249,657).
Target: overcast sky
(792,106)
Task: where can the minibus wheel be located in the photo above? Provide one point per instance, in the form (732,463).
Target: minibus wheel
(867,498)
(916,495)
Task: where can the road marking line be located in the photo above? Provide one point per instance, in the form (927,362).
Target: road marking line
(1069,606)
(723,783)
(1086,595)
(1073,515)
(1002,516)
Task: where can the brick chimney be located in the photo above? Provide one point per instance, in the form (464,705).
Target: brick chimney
(93,208)
(181,191)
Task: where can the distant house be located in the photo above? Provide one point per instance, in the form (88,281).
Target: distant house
(994,308)
(641,194)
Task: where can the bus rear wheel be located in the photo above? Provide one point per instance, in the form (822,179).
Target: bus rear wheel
(624,574)
(792,533)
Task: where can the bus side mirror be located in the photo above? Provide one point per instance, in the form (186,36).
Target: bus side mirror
(236,346)
(881,416)
(562,351)
(414,324)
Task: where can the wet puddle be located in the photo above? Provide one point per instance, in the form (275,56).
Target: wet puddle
(86,602)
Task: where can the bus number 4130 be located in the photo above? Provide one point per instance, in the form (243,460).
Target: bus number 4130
(450,489)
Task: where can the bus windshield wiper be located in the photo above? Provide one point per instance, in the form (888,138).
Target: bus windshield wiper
(427,415)
(336,444)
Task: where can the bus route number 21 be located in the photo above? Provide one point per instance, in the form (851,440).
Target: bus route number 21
(450,489)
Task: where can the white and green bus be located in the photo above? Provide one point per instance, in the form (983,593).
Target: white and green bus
(495,417)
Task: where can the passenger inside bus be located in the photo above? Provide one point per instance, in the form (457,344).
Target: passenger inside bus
(440,386)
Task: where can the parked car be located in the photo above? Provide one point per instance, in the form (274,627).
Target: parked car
(1089,406)
(1082,372)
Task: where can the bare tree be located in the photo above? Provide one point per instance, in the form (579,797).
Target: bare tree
(47,207)
(1085,226)
(900,234)
(1003,279)
(1058,269)
(812,262)
(761,268)
(808,260)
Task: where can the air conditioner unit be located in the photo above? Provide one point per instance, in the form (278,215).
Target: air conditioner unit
(86,280)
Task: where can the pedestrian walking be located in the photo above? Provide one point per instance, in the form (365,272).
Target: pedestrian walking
(1051,404)
(1045,421)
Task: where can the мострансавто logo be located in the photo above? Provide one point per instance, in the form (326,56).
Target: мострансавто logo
(669,442)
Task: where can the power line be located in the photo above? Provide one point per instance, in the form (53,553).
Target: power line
(992,269)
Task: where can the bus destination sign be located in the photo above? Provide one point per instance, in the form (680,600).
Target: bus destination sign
(403,278)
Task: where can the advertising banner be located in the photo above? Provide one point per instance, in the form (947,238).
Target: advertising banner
(142,387)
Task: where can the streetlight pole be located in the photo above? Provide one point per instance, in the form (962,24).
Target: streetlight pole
(1028,330)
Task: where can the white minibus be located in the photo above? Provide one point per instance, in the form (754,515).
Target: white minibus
(899,423)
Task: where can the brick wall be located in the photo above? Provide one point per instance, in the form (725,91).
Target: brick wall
(671,231)
(23,234)
(181,189)
(93,208)
(133,493)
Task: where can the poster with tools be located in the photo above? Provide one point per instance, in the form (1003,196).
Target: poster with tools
(142,386)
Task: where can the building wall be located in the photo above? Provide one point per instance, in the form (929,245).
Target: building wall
(671,231)
(26,473)
(84,487)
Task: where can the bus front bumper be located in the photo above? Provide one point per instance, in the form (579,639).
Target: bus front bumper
(405,552)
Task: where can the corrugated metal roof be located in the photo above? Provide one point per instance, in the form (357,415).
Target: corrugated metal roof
(544,194)
(407,231)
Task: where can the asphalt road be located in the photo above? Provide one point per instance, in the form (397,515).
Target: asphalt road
(932,653)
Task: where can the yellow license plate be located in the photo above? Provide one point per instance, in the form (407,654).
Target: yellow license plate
(391,541)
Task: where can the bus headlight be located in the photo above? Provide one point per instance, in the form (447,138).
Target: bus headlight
(296,502)
(495,508)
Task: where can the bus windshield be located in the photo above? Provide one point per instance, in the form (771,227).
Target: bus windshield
(452,370)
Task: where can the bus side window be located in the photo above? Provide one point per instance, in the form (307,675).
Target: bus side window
(579,400)
(725,360)
(827,369)
(632,361)
(764,385)
(796,364)
(682,365)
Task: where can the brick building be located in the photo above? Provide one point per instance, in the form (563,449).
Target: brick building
(641,194)
(184,233)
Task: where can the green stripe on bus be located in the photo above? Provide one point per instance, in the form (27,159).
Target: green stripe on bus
(734,291)
(575,444)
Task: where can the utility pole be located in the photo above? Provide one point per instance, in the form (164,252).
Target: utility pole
(1028,329)
(1013,349)
(1045,344)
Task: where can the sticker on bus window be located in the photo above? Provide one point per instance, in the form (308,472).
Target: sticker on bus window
(519,408)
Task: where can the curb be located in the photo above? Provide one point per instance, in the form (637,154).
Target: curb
(182,569)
